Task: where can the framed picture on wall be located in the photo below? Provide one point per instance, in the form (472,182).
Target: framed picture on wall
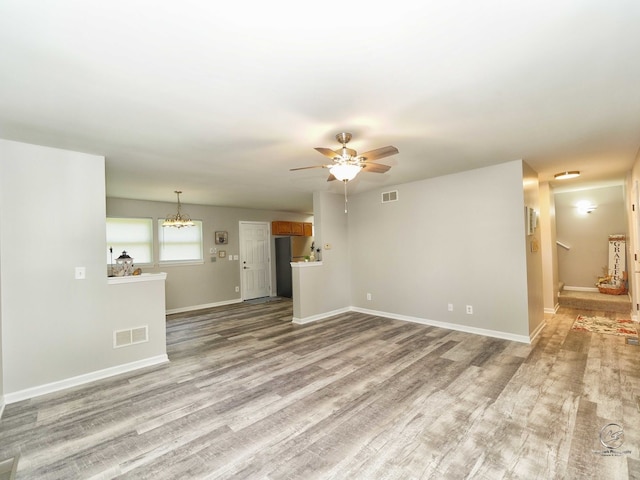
(222,238)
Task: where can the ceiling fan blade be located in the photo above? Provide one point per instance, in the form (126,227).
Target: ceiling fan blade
(305,168)
(327,152)
(331,178)
(373,155)
(375,167)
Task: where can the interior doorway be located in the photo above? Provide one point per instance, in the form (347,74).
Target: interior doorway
(255,261)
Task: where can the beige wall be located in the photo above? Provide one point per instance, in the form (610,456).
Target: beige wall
(633,246)
(534,252)
(587,234)
(548,248)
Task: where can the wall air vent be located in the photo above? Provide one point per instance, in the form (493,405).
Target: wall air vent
(391,196)
(131,336)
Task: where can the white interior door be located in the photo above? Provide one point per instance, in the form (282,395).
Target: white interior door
(255,260)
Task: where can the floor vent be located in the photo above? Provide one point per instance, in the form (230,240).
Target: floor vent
(391,196)
(131,336)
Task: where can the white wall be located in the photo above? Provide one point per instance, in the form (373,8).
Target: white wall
(588,234)
(210,283)
(456,239)
(53,326)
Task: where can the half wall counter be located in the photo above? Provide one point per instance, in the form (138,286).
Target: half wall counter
(137,316)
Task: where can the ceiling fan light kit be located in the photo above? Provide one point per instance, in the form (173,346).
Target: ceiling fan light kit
(345,171)
(347,163)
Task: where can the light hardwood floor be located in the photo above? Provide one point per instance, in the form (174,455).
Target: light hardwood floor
(247,394)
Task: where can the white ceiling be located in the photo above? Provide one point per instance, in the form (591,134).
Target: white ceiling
(221,99)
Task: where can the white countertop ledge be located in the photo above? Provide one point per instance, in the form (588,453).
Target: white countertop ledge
(145,277)
(305,264)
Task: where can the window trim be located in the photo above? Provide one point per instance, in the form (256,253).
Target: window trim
(116,254)
(181,262)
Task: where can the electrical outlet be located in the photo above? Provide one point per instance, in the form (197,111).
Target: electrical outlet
(368,296)
(81,273)
(237,289)
(327,246)
(469,310)
(450,307)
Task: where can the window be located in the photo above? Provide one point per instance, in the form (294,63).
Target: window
(133,235)
(180,245)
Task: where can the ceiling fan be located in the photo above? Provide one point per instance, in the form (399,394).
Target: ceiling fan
(347,163)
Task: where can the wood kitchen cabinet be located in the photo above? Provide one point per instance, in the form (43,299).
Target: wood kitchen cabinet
(292,228)
(280,228)
(297,228)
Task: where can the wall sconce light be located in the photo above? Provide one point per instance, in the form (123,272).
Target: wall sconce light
(585,207)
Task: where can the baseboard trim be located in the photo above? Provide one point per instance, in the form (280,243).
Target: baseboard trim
(451,326)
(434,323)
(82,379)
(1,406)
(581,289)
(537,331)
(553,310)
(320,316)
(203,307)
(9,467)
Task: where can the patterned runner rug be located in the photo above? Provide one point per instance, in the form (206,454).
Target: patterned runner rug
(606,325)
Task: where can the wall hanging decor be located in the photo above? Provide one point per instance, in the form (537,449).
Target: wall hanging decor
(222,238)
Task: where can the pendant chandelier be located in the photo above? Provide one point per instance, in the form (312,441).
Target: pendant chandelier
(178,220)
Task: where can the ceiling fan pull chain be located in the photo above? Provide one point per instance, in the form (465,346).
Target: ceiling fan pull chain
(345,196)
